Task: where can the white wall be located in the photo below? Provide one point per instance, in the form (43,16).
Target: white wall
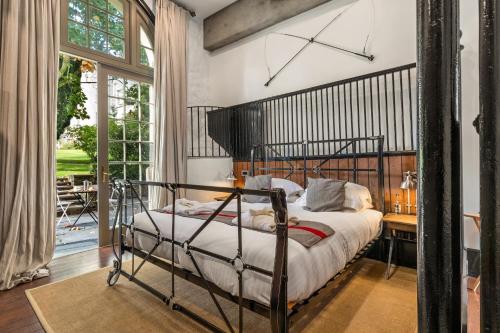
(208,171)
(238,72)
(202,171)
(470,109)
(197,66)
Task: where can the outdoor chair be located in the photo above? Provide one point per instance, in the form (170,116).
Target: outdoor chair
(64,206)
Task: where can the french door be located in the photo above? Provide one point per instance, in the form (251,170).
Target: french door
(125,139)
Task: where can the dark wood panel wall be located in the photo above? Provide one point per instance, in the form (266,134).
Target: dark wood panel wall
(394,166)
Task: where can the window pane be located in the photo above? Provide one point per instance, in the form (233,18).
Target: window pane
(116,108)
(132,152)
(77,34)
(147,57)
(145,39)
(77,11)
(98,40)
(115,7)
(116,26)
(99,3)
(146,93)
(145,112)
(132,172)
(145,176)
(145,132)
(116,170)
(132,90)
(115,129)
(132,131)
(144,188)
(132,112)
(146,49)
(98,18)
(116,47)
(145,152)
(116,87)
(115,151)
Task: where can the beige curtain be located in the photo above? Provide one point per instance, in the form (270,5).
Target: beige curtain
(170,163)
(29,47)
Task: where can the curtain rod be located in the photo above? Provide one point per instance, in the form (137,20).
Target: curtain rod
(190,11)
(151,15)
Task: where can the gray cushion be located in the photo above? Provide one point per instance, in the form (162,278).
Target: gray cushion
(325,195)
(257,183)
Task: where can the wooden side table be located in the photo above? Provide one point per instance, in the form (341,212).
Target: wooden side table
(394,223)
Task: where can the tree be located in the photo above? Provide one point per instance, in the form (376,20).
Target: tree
(85,137)
(71,98)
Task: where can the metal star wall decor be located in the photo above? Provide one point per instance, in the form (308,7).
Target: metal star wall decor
(314,40)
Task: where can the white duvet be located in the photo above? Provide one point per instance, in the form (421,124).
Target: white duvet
(308,269)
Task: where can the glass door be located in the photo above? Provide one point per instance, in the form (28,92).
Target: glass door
(125,139)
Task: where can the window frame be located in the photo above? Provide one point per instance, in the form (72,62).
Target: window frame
(133,17)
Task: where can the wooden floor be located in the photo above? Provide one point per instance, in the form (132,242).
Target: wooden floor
(16,312)
(18,316)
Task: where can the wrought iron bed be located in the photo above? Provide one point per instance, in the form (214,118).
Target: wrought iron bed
(278,311)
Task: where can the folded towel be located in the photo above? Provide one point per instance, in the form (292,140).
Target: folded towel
(189,207)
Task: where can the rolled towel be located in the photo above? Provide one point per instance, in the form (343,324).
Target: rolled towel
(262,219)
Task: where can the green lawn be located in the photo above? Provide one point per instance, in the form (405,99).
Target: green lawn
(72,162)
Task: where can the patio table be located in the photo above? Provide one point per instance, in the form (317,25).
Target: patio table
(86,198)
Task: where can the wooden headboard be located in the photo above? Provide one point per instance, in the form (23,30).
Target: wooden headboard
(359,160)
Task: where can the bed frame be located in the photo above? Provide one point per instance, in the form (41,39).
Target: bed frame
(279,311)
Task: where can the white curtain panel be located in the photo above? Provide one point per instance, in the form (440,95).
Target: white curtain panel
(170,85)
(29,48)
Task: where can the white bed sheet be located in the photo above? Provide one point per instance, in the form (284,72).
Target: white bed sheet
(308,269)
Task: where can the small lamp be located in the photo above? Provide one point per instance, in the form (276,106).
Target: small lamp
(409,182)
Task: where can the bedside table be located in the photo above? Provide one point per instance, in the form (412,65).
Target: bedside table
(394,223)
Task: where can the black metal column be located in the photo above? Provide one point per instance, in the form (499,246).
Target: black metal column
(489,130)
(439,166)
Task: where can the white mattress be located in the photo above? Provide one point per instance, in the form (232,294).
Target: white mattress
(308,269)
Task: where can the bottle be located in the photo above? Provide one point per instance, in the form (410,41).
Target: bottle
(397,205)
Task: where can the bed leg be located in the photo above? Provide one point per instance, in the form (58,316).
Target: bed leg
(115,273)
(279,299)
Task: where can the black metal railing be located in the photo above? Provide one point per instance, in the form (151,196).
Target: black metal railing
(379,103)
(200,144)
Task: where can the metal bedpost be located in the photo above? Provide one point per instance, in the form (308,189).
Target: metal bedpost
(355,159)
(173,189)
(279,299)
(489,130)
(240,272)
(380,174)
(305,152)
(252,161)
(439,229)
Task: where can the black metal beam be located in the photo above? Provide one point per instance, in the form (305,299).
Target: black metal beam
(489,130)
(439,166)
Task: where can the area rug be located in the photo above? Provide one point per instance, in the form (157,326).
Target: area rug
(366,302)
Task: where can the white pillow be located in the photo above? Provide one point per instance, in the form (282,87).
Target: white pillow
(357,197)
(289,186)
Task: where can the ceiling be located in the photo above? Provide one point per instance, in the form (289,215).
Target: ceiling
(205,8)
